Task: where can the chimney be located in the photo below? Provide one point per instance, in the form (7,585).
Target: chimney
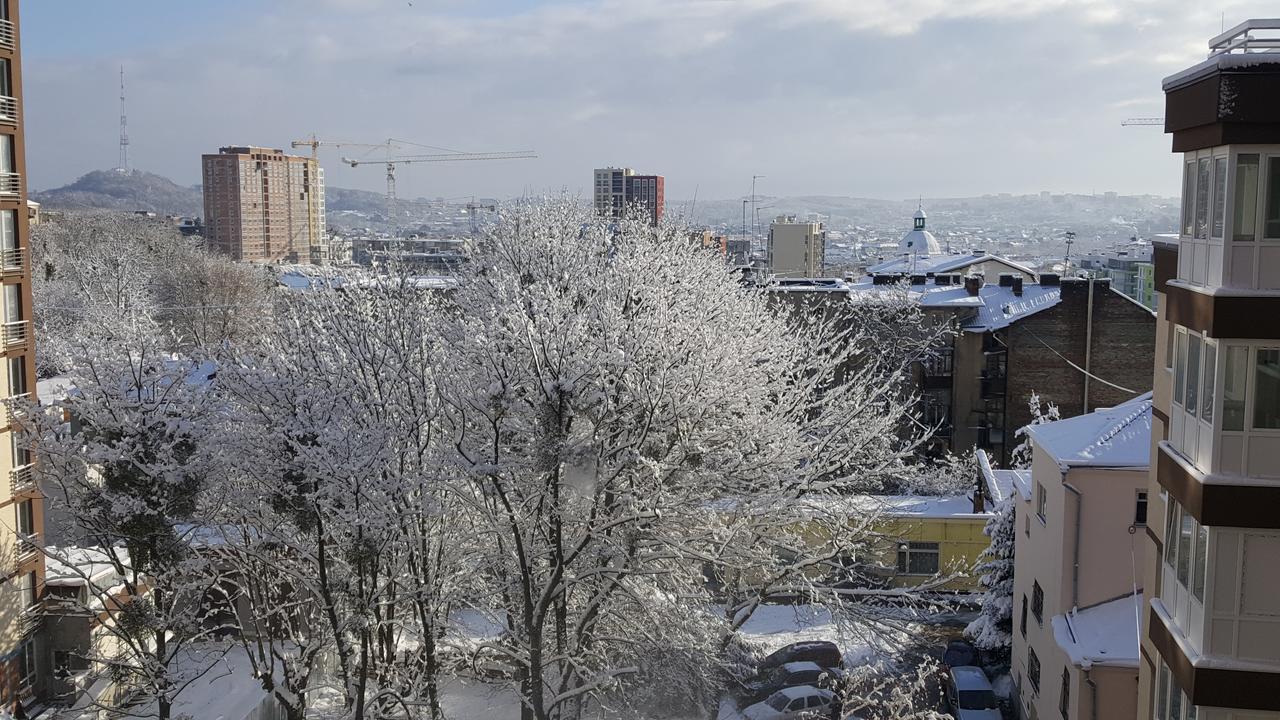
(979,494)
(1017,286)
(1049,279)
(881,279)
(1006,279)
(972,284)
(942,279)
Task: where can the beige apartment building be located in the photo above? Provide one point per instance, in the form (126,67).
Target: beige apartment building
(1211,635)
(262,205)
(1077,564)
(21,509)
(796,249)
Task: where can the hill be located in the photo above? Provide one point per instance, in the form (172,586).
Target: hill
(117,190)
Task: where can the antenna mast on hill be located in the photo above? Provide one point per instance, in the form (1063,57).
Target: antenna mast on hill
(124,129)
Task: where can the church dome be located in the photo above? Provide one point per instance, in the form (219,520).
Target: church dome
(919,241)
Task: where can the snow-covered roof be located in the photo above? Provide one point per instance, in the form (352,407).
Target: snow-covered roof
(71,565)
(1105,634)
(1001,484)
(997,307)
(1110,437)
(51,390)
(919,242)
(923,506)
(952,262)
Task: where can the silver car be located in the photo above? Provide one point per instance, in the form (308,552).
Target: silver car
(969,694)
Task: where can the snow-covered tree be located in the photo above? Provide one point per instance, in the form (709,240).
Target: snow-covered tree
(1040,413)
(623,419)
(128,479)
(992,630)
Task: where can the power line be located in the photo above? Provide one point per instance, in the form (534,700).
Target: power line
(1077,367)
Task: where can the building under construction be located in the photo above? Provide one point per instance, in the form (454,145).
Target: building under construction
(262,205)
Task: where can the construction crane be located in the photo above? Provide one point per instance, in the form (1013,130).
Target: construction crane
(392,162)
(1142,121)
(313,200)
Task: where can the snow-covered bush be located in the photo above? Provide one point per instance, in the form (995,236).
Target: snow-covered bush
(1040,413)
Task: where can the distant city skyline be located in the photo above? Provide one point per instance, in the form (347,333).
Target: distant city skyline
(871,99)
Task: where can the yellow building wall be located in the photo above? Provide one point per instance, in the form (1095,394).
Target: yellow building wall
(960,542)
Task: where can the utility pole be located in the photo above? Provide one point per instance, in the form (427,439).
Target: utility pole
(1066,261)
(124,128)
(744,222)
(755,218)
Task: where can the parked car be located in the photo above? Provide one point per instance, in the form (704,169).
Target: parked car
(969,694)
(822,652)
(795,703)
(790,675)
(959,653)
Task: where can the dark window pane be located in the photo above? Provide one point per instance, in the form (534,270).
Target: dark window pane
(1219,194)
(1271,224)
(1266,389)
(1202,198)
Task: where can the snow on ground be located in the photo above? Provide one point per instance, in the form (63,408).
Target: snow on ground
(773,626)
(228,691)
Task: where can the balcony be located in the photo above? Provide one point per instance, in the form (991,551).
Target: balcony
(6,34)
(10,184)
(28,546)
(13,261)
(14,334)
(8,110)
(13,406)
(22,479)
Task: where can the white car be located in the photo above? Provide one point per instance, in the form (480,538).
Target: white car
(794,703)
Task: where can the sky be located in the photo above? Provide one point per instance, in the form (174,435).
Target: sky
(884,99)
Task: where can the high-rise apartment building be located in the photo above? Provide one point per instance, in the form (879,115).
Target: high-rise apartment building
(262,205)
(1211,626)
(796,249)
(617,189)
(21,508)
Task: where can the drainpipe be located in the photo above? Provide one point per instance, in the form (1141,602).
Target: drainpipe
(1075,560)
(1088,342)
(1093,691)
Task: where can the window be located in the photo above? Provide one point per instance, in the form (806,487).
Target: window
(27,665)
(1140,509)
(1037,601)
(1244,216)
(918,558)
(1042,502)
(1193,375)
(1210,377)
(1271,222)
(1236,372)
(26,523)
(1033,668)
(1266,389)
(1188,197)
(1064,697)
(1180,368)
(1219,195)
(1022,624)
(1186,530)
(1201,562)
(1202,198)
(1162,693)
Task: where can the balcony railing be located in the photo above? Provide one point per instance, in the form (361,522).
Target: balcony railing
(6,34)
(28,545)
(21,479)
(8,110)
(14,333)
(13,260)
(13,406)
(10,183)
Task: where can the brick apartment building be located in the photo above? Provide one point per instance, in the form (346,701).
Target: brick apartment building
(1014,338)
(262,205)
(21,509)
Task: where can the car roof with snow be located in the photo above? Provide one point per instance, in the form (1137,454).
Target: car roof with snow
(800,691)
(801,666)
(969,677)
